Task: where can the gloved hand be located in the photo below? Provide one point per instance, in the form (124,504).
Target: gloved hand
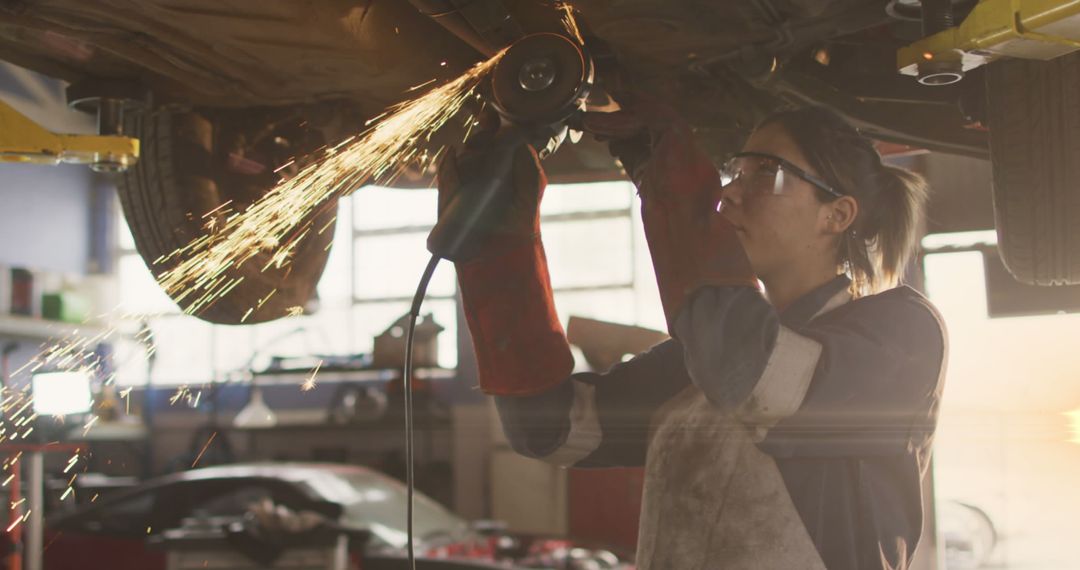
(520,345)
(488,193)
(691,244)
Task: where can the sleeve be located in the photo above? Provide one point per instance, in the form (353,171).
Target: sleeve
(862,383)
(742,358)
(596,419)
(876,386)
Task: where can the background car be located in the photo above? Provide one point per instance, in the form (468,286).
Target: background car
(368,506)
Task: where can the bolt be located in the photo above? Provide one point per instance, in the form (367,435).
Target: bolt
(537,74)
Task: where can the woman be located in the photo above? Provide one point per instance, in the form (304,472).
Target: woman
(788,427)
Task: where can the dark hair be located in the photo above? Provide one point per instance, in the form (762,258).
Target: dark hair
(875,250)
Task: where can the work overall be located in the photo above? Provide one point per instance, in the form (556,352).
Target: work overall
(769,441)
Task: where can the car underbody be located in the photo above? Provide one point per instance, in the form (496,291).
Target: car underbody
(726,63)
(235,90)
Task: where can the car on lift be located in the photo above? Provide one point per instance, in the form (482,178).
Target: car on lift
(223,95)
(120,531)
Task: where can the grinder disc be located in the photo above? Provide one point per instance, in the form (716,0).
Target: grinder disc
(541,79)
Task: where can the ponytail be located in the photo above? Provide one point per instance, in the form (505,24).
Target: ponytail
(875,252)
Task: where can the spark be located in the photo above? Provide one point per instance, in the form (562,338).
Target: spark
(284,166)
(420,86)
(125,393)
(14,524)
(199,456)
(71,462)
(8,480)
(275,223)
(570,22)
(13,460)
(90,424)
(294,311)
(181,391)
(309,384)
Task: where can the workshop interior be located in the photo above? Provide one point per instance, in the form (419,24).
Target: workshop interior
(232,334)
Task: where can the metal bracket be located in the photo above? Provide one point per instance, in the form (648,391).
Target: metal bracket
(1020,31)
(24,141)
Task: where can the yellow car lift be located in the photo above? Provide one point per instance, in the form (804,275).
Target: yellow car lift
(1027,29)
(23,140)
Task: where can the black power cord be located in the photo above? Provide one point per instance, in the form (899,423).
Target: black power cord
(414,313)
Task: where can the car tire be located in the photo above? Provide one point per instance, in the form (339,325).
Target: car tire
(1033,112)
(193,162)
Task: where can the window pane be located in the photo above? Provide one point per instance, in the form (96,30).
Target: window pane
(183,350)
(955,282)
(565,198)
(376,207)
(391,266)
(591,252)
(139,292)
(617,306)
(334,286)
(233,347)
(124,239)
(129,358)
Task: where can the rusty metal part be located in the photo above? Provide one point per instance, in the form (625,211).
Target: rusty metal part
(486,25)
(235,54)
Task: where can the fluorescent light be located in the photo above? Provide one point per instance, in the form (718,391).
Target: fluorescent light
(61,393)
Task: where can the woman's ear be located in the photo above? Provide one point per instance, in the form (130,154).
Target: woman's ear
(840,214)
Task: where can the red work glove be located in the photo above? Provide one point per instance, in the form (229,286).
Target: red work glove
(691,244)
(520,345)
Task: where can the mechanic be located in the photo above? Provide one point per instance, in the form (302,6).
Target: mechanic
(788,421)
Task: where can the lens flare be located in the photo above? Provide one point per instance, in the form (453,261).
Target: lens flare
(1074,426)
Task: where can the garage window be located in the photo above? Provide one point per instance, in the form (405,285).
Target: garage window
(599,265)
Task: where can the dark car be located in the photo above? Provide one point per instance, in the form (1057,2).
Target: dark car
(223,96)
(125,531)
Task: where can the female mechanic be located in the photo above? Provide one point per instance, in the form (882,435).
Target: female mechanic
(787,423)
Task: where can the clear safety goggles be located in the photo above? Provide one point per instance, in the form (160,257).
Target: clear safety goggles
(767,174)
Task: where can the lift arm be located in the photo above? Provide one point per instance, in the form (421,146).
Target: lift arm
(1028,29)
(23,140)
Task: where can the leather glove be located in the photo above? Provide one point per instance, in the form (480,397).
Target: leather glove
(521,348)
(691,244)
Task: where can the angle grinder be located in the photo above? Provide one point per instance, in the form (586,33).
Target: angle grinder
(539,84)
(541,81)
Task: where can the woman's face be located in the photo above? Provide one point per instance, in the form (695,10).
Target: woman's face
(779,230)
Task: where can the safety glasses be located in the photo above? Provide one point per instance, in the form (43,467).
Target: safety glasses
(767,174)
